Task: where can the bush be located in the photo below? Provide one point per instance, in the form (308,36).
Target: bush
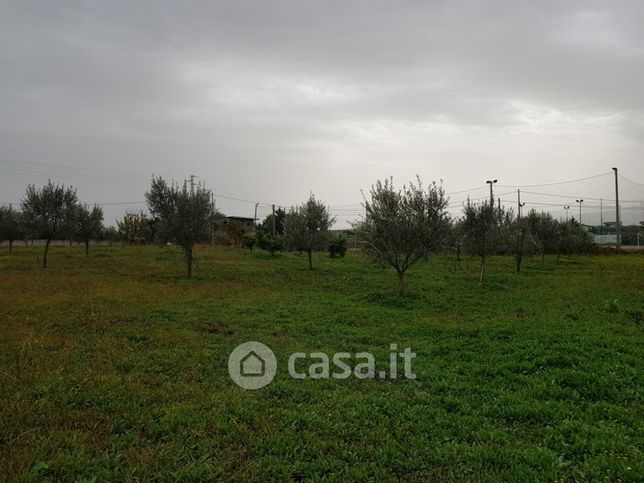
(337,247)
(249,241)
(272,244)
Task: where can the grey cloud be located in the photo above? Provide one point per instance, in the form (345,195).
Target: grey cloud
(242,92)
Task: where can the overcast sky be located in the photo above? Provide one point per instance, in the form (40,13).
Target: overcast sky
(272,100)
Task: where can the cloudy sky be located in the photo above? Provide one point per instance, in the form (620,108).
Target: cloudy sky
(269,101)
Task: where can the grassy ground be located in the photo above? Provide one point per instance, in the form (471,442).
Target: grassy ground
(115,368)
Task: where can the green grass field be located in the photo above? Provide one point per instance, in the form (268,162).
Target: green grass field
(114,367)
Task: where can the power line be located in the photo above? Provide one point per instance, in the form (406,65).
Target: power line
(630,180)
(577,196)
(554,184)
(67,166)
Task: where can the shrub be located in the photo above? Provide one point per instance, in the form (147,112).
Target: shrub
(249,240)
(337,247)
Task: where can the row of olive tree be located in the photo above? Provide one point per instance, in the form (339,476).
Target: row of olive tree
(404,226)
(51,212)
(486,230)
(401,227)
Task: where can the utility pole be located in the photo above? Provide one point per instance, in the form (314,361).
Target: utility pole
(566,207)
(491,182)
(519,204)
(256,205)
(618,224)
(601,216)
(273,220)
(192,184)
(212,224)
(580,202)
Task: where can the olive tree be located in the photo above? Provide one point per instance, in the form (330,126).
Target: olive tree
(456,238)
(272,244)
(134,227)
(480,226)
(11,227)
(306,227)
(88,224)
(522,242)
(183,216)
(403,226)
(546,232)
(573,239)
(47,210)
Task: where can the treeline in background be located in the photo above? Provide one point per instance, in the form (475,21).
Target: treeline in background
(400,226)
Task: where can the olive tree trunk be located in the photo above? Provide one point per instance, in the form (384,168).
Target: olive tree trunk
(44,259)
(189,261)
(482,271)
(401,283)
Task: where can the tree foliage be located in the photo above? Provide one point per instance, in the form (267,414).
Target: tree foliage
(546,232)
(134,227)
(337,246)
(403,226)
(573,239)
(306,227)
(87,224)
(11,225)
(481,226)
(267,225)
(47,211)
(269,243)
(249,241)
(455,239)
(521,241)
(183,216)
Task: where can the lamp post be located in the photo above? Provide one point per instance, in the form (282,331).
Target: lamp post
(491,182)
(580,202)
(617,220)
(566,207)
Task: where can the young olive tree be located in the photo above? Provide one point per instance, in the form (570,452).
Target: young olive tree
(11,226)
(403,226)
(480,226)
(183,215)
(522,242)
(110,234)
(47,210)
(573,239)
(249,240)
(455,239)
(546,232)
(306,227)
(269,243)
(88,224)
(337,246)
(134,227)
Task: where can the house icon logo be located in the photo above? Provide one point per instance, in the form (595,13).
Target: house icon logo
(252,365)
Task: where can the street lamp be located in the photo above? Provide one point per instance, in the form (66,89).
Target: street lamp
(491,182)
(566,207)
(580,202)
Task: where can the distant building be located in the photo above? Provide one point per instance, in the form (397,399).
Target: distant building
(241,221)
(604,239)
(612,224)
